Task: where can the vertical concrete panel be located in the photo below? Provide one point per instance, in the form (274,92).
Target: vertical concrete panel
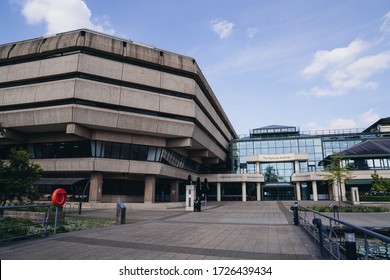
(95,187)
(3,74)
(58,65)
(219,191)
(150,189)
(315,192)
(298,190)
(258,190)
(23,71)
(243,191)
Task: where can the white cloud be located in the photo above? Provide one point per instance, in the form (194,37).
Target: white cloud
(386,23)
(368,118)
(61,15)
(341,123)
(222,27)
(336,57)
(345,69)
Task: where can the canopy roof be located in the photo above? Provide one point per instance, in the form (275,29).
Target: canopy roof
(369,147)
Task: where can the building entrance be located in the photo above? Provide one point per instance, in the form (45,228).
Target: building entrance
(278,192)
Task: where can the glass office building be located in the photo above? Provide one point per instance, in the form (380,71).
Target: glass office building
(288,158)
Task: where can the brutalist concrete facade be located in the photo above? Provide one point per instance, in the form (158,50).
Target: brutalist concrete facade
(86,89)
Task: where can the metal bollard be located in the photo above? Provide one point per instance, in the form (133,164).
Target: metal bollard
(350,244)
(120,213)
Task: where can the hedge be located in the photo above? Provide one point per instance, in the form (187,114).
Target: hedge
(372,198)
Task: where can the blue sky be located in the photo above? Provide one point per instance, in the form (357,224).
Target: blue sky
(316,64)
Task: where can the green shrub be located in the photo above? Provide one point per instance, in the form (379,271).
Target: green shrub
(368,198)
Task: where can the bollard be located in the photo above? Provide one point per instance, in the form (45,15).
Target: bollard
(350,244)
(296,214)
(120,213)
(318,223)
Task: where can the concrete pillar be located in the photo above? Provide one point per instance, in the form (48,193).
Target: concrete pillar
(296,167)
(150,189)
(243,191)
(315,192)
(258,189)
(335,192)
(355,195)
(95,187)
(257,167)
(298,190)
(174,191)
(343,192)
(218,191)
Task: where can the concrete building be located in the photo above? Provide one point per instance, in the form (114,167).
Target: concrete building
(114,120)
(128,121)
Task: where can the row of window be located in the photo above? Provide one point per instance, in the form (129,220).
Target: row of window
(314,147)
(367,164)
(103,149)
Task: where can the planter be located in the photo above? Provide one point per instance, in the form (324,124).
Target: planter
(33,216)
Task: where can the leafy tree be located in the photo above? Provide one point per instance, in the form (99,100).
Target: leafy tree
(271,175)
(336,173)
(17,176)
(380,184)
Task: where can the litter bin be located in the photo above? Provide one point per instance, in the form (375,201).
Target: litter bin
(120,213)
(197,205)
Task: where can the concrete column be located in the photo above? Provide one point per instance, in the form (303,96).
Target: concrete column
(355,195)
(243,191)
(258,189)
(174,191)
(218,191)
(315,193)
(257,167)
(335,192)
(296,167)
(298,189)
(343,192)
(95,187)
(150,189)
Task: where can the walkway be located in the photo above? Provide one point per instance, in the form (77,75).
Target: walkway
(232,230)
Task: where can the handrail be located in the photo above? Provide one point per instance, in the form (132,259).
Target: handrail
(362,229)
(44,222)
(340,248)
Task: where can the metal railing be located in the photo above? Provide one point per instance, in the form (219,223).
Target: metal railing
(340,240)
(27,227)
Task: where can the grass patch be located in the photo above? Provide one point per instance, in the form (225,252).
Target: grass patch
(11,228)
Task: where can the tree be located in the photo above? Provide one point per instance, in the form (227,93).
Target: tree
(17,176)
(271,175)
(380,184)
(336,173)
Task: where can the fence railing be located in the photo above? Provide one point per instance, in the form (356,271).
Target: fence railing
(338,239)
(22,222)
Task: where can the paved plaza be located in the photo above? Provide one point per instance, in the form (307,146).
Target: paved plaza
(232,230)
(228,230)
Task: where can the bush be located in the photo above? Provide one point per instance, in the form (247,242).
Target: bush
(11,227)
(351,209)
(368,198)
